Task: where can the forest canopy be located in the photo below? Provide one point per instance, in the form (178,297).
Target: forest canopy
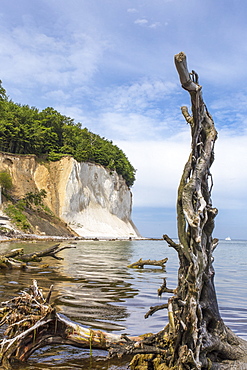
(51,135)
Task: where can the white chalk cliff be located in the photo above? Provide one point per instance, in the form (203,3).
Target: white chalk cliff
(92,200)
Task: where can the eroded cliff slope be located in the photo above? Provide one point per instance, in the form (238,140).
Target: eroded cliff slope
(93,201)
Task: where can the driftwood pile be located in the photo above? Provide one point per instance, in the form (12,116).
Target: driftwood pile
(32,322)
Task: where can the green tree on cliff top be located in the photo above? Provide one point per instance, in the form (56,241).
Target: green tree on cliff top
(51,135)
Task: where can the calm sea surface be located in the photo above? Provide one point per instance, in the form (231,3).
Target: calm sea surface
(94,286)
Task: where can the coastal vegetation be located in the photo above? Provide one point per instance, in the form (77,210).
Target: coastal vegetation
(29,213)
(17,216)
(5,181)
(50,135)
(17,209)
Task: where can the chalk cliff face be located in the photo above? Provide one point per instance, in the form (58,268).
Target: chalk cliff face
(93,201)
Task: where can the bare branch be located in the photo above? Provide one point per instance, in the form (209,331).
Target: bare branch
(164,289)
(49,252)
(154,309)
(141,263)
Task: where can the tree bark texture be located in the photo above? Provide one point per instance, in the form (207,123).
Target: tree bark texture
(200,337)
(196,336)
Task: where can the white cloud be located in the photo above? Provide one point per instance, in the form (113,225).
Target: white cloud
(131,126)
(231,101)
(56,95)
(141,22)
(145,22)
(130,113)
(159,167)
(230,171)
(138,96)
(155,25)
(34,58)
(132,10)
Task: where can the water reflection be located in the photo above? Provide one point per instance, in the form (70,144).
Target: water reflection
(89,282)
(93,286)
(13,281)
(101,279)
(68,358)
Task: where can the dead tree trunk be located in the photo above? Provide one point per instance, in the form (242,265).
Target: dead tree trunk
(196,336)
(200,336)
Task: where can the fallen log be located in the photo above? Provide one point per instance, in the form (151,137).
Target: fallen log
(16,259)
(141,263)
(32,322)
(49,252)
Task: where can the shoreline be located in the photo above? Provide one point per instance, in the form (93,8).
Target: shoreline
(48,238)
(12,234)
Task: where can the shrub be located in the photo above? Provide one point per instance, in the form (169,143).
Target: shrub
(17,217)
(5,180)
(34,198)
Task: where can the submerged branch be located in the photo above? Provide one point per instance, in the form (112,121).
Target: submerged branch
(141,263)
(49,252)
(17,259)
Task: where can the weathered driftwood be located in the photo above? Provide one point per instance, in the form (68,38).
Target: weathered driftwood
(17,259)
(196,336)
(161,290)
(141,263)
(33,323)
(164,289)
(154,309)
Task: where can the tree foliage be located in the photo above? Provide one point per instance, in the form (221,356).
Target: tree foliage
(51,135)
(34,198)
(15,213)
(5,180)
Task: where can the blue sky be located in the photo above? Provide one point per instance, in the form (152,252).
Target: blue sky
(109,65)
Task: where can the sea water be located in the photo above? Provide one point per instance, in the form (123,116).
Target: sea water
(95,286)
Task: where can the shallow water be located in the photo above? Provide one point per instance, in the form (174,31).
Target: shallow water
(94,286)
